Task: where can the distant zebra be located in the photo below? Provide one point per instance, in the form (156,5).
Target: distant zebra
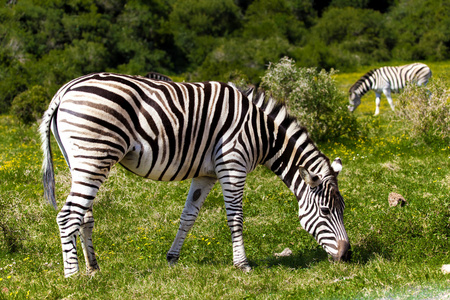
(157,76)
(170,131)
(387,79)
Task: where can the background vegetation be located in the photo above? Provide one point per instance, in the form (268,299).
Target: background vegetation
(49,42)
(426,110)
(313,97)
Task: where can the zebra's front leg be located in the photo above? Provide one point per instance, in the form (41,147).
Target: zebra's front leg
(233,190)
(86,242)
(389,99)
(200,188)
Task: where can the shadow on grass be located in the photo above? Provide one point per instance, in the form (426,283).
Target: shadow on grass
(360,254)
(300,260)
(369,248)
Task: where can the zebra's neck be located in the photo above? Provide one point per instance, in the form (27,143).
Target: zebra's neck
(364,84)
(289,146)
(291,152)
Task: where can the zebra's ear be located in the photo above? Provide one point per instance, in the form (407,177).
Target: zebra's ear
(337,166)
(309,177)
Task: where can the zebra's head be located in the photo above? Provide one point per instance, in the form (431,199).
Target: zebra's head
(355,101)
(321,211)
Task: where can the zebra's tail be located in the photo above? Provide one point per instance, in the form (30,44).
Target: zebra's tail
(48,173)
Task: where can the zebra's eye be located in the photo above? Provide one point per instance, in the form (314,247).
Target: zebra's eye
(325,210)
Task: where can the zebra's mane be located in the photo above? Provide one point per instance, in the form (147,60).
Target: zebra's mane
(279,112)
(158,76)
(361,80)
(271,107)
(276,109)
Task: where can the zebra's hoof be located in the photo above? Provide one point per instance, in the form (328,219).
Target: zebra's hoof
(71,274)
(91,271)
(245,267)
(172,259)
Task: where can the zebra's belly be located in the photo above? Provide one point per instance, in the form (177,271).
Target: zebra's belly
(144,164)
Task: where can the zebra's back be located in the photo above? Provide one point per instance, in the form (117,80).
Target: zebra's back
(156,129)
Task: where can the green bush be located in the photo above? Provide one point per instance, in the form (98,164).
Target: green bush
(425,111)
(30,105)
(313,97)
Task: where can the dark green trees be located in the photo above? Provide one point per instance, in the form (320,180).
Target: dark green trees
(49,42)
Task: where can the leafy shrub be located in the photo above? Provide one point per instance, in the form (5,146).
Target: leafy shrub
(30,105)
(425,111)
(313,97)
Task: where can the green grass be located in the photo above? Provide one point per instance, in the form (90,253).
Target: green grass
(397,251)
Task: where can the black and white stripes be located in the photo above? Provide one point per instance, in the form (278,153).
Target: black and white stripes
(169,131)
(386,80)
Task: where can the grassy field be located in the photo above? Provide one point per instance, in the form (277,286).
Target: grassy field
(397,251)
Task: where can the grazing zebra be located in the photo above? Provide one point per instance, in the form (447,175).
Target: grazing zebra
(170,131)
(387,79)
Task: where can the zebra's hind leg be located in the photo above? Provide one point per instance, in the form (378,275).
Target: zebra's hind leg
(377,104)
(86,242)
(200,188)
(72,215)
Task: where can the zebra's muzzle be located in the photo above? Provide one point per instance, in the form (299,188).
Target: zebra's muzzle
(344,252)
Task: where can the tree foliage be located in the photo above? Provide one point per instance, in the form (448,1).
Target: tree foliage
(420,30)
(196,25)
(49,42)
(345,37)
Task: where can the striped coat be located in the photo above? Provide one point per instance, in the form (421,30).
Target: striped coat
(386,80)
(210,132)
